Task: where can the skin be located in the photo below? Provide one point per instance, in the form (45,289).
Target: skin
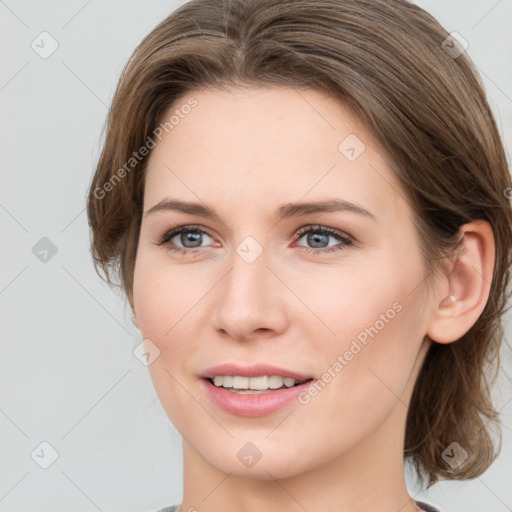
(245,153)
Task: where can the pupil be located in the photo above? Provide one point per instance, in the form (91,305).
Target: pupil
(186,237)
(314,238)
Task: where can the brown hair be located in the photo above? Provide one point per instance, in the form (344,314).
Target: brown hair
(391,62)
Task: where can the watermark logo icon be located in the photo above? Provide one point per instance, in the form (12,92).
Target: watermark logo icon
(146,352)
(249,249)
(455,455)
(351,147)
(44,250)
(249,455)
(44,455)
(455,45)
(44,45)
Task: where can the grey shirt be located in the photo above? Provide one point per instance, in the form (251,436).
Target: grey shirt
(423,506)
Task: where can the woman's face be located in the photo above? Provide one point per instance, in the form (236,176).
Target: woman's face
(336,295)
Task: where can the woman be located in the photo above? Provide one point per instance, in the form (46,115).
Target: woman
(307,207)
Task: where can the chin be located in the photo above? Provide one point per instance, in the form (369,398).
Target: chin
(259,459)
(278,467)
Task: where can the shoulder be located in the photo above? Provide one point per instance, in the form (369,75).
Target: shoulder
(426,507)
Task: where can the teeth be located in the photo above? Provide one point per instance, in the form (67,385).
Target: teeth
(275,382)
(255,383)
(219,381)
(288,382)
(239,383)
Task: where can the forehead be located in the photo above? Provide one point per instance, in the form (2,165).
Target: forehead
(263,146)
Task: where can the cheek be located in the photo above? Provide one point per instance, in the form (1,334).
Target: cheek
(347,301)
(363,371)
(161,299)
(171,311)
(367,326)
(159,294)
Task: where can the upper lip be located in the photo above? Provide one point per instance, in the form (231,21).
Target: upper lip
(255,370)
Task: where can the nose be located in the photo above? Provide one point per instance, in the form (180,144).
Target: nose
(252,299)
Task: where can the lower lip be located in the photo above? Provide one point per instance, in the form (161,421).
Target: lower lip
(250,405)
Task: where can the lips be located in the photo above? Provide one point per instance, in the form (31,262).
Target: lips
(256,370)
(251,405)
(239,402)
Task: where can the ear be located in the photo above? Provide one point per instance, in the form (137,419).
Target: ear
(463,293)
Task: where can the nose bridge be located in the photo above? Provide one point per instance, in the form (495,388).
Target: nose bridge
(248,281)
(249,297)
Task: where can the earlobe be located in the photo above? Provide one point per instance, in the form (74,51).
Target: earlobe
(468,283)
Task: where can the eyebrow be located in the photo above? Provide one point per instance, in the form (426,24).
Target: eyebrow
(285,211)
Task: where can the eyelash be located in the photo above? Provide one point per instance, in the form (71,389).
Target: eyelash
(346,241)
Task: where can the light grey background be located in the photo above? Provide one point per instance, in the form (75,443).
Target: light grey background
(67,372)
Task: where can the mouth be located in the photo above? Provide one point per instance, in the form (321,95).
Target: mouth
(254,385)
(252,392)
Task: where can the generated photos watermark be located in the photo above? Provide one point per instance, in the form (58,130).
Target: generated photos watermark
(137,156)
(355,348)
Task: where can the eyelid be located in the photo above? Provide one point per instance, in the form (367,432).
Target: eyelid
(171,233)
(320,227)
